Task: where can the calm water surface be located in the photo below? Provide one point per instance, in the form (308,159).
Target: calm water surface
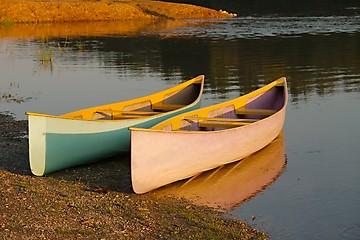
(316,194)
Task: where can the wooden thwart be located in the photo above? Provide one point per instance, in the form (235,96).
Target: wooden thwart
(217,122)
(138,113)
(166,107)
(263,112)
(125,112)
(118,114)
(213,124)
(221,119)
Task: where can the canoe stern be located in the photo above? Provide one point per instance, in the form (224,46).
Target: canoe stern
(37,144)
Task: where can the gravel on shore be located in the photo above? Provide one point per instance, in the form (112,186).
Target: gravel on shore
(95,202)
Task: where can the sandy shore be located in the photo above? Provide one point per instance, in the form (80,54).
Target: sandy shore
(33,11)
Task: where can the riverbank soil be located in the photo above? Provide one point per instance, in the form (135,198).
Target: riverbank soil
(35,11)
(94,202)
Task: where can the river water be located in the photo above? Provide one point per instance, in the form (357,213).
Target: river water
(314,191)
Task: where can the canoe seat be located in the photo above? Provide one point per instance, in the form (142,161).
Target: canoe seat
(221,119)
(262,112)
(218,122)
(213,124)
(140,113)
(118,114)
(166,107)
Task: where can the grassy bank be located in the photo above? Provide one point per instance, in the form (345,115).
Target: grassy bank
(33,11)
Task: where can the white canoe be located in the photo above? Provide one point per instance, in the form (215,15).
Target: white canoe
(203,139)
(87,135)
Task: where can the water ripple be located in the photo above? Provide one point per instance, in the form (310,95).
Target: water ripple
(258,27)
(352,232)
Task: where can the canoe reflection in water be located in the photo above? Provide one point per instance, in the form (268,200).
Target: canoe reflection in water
(227,186)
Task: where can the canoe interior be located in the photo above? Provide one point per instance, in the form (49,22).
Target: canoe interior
(173,99)
(252,109)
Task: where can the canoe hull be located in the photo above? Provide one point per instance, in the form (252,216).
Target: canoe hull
(60,142)
(160,155)
(188,154)
(60,150)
